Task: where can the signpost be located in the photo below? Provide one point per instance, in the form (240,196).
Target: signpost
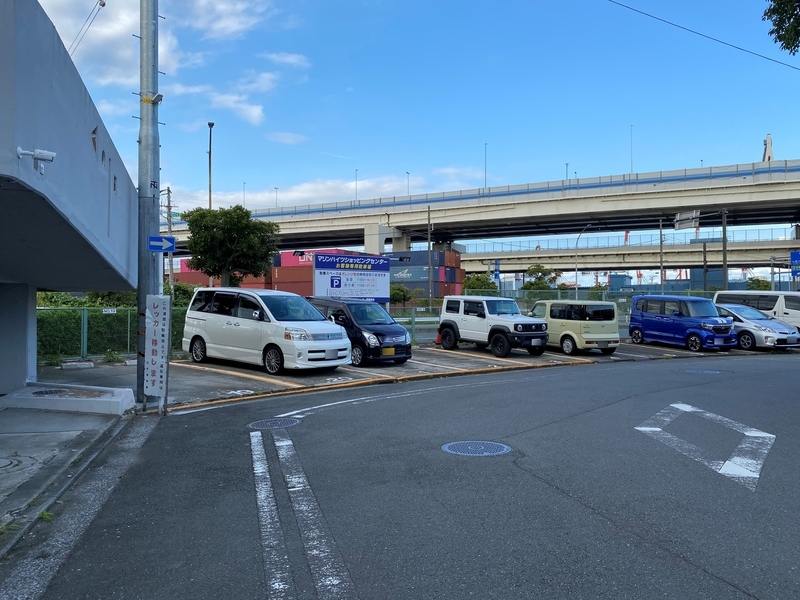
(352,276)
(685,220)
(157,348)
(160,243)
(794,259)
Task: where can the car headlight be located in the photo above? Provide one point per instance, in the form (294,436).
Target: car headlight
(296,334)
(708,326)
(344,333)
(544,327)
(767,329)
(407,339)
(372,340)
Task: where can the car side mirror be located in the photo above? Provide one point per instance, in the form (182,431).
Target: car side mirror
(481,315)
(676,313)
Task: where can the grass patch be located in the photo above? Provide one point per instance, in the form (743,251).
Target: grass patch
(45,516)
(8,528)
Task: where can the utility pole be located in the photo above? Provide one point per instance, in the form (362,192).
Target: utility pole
(169,254)
(705,269)
(724,249)
(430,263)
(661,253)
(149,179)
(210,127)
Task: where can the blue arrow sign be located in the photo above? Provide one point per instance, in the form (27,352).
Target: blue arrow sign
(161,243)
(794,258)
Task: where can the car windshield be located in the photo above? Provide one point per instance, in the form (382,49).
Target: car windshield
(291,308)
(703,309)
(502,307)
(746,312)
(370,314)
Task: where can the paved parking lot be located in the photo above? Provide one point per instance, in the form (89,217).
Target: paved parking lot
(218,380)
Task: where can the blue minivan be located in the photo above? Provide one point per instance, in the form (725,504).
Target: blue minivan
(680,320)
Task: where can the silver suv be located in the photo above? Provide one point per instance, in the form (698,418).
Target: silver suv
(490,321)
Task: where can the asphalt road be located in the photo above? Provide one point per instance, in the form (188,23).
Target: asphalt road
(359,500)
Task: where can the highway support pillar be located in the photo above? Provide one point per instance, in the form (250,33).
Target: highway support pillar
(375,236)
(18,324)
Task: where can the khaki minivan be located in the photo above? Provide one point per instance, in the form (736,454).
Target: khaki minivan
(580,324)
(784,306)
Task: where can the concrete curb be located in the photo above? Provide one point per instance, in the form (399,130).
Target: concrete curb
(53,486)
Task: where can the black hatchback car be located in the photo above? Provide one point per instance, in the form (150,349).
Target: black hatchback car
(374,334)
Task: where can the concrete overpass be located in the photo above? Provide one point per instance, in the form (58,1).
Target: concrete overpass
(753,194)
(676,256)
(65,225)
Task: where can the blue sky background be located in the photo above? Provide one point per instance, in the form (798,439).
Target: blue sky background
(304,92)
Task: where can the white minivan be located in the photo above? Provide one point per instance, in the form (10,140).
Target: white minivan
(277,330)
(784,306)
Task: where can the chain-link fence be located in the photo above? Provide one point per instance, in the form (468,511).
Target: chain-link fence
(93,332)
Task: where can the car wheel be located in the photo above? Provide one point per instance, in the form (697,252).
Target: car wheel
(449,341)
(536,350)
(608,350)
(198,350)
(694,343)
(500,345)
(636,336)
(357,355)
(481,346)
(273,360)
(400,361)
(568,345)
(747,341)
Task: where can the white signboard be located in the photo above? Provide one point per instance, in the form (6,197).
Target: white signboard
(157,345)
(352,276)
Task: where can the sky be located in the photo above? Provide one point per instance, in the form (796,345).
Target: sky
(431,96)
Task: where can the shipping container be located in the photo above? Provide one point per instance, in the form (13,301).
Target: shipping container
(449,274)
(293,274)
(304,288)
(406,274)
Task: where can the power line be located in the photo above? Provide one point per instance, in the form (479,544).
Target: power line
(84,28)
(708,37)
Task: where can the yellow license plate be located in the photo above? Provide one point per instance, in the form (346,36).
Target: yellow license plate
(387,351)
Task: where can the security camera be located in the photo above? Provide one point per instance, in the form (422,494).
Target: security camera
(43,155)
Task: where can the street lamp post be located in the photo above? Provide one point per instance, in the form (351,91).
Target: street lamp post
(210,127)
(276,197)
(576,259)
(485,150)
(408,184)
(356,185)
(244,194)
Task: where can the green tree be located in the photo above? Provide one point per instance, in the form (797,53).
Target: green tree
(112,299)
(58,299)
(596,292)
(542,278)
(399,294)
(229,244)
(480,282)
(756,283)
(183,293)
(785,18)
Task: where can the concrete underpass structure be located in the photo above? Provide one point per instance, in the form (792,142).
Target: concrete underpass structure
(65,225)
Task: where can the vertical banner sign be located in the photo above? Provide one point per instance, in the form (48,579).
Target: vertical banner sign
(157,345)
(352,276)
(794,258)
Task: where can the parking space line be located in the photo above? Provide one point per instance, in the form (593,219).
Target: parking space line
(243,375)
(360,370)
(419,362)
(482,358)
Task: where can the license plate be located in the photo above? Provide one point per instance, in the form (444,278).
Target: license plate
(602,344)
(791,340)
(331,354)
(719,341)
(536,342)
(387,351)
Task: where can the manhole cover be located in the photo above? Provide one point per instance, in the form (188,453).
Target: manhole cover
(476,448)
(273,423)
(51,392)
(4,462)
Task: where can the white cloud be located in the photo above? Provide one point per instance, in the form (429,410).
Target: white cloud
(193,126)
(108,53)
(115,109)
(286,137)
(286,59)
(226,18)
(178,89)
(239,105)
(258,82)
(455,178)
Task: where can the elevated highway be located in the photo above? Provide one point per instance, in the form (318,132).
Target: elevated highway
(753,194)
(676,256)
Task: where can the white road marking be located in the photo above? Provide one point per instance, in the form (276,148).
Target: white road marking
(276,562)
(331,578)
(743,466)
